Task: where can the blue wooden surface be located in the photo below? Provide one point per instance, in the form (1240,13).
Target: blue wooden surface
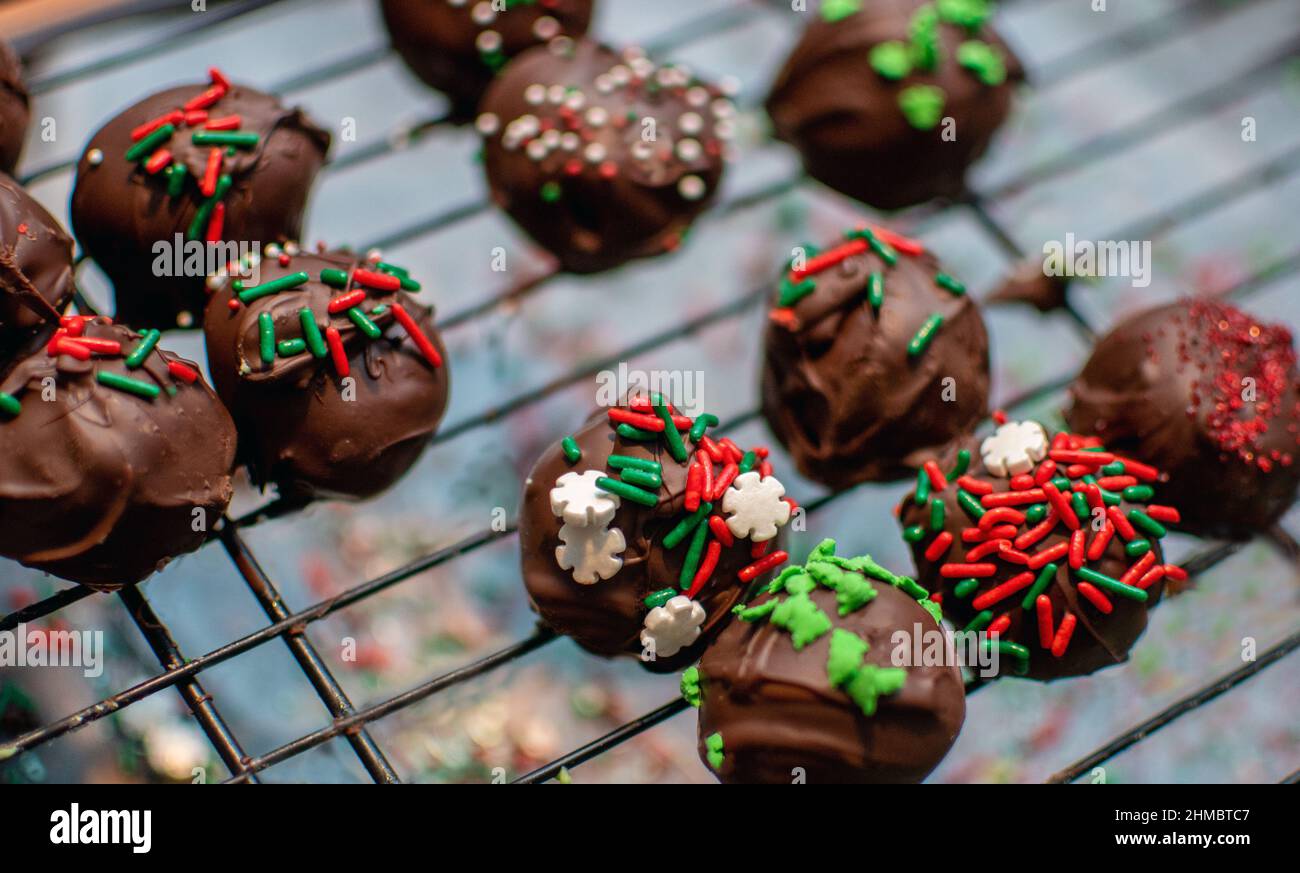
(1132,132)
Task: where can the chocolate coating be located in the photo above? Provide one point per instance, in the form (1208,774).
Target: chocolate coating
(1099,640)
(100,486)
(120,211)
(777,710)
(15,112)
(297,426)
(845,118)
(1168,385)
(1028,284)
(566,151)
(606,618)
(36,279)
(839,387)
(449,43)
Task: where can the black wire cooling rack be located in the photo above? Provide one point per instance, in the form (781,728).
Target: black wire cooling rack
(184,673)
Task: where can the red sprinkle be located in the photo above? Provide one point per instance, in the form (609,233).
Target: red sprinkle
(422,342)
(758,550)
(978,487)
(1087,459)
(762,565)
(937,480)
(1001,514)
(1095,597)
(636,419)
(225,122)
(1166,514)
(829,258)
(100,346)
(1064,511)
(216,224)
(345,302)
(1039,560)
(173,117)
(1043,605)
(1062,640)
(706,468)
(983,550)
(378,281)
(1116,483)
(1001,532)
(182,372)
(906,245)
(206,99)
(1100,540)
(1139,567)
(1002,592)
(1121,523)
(707,566)
(961,571)
(1022,482)
(1154,576)
(157,161)
(197,117)
(724,480)
(694,475)
(720,530)
(999,625)
(939,546)
(338,354)
(1045,472)
(1178,574)
(218,78)
(1078,540)
(714,450)
(208,184)
(1145,472)
(62,345)
(1036,533)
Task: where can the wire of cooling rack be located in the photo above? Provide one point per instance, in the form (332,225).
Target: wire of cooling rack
(289,626)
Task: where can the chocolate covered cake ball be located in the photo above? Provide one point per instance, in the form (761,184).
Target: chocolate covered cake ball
(36,281)
(1209,394)
(890,101)
(117,456)
(602,156)
(803,686)
(15,113)
(1051,545)
(335,375)
(640,532)
(874,359)
(457,46)
(167,191)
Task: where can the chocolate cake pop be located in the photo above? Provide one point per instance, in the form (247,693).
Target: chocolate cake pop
(890,101)
(15,113)
(168,189)
(117,456)
(640,532)
(36,281)
(336,377)
(1050,545)
(874,359)
(457,46)
(804,684)
(602,156)
(1209,394)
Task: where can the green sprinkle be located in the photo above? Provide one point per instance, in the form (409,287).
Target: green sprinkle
(891,60)
(130,386)
(622,461)
(551,191)
(693,554)
(979,622)
(311,333)
(838,10)
(291,347)
(702,423)
(275,286)
(201,218)
(1045,577)
(936,514)
(921,340)
(876,290)
(714,751)
(885,252)
(145,347)
(660,597)
(630,432)
(922,495)
(361,320)
(674,440)
(910,587)
(690,684)
(747,461)
(150,143)
(922,105)
(923,30)
(914,534)
(9,405)
(949,284)
(404,277)
(1036,513)
(234,138)
(970,503)
(686,525)
(379,310)
(793,292)
(1139,493)
(984,61)
(1115,468)
(1140,519)
(805,621)
(334,278)
(626,491)
(845,656)
(1015,650)
(962,465)
(1062,484)
(966,587)
(969,14)
(1080,505)
(1137,548)
(176,179)
(643,478)
(755,613)
(266,327)
(1114,586)
(571,451)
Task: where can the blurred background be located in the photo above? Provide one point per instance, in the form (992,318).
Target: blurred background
(1131,130)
